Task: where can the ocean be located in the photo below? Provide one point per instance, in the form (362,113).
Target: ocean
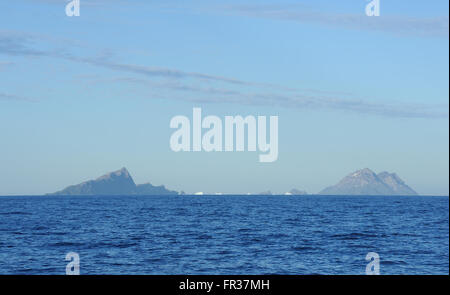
(224,234)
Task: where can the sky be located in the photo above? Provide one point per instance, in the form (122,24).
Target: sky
(84,95)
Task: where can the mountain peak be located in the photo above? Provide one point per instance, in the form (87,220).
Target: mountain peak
(362,172)
(366,182)
(117,182)
(367,170)
(121,173)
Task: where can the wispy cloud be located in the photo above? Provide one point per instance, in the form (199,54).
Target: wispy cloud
(402,25)
(157,71)
(7,96)
(16,44)
(5,64)
(84,2)
(217,89)
(19,44)
(302,101)
(294,100)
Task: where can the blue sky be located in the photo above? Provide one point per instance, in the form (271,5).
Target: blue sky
(81,96)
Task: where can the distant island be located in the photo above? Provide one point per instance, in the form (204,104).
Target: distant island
(118,182)
(366,182)
(296,192)
(360,182)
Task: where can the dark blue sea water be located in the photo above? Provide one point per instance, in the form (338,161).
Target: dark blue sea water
(224,234)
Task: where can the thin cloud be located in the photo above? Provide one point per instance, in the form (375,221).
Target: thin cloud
(7,96)
(400,25)
(250,93)
(16,45)
(84,2)
(5,64)
(19,45)
(293,101)
(327,103)
(157,71)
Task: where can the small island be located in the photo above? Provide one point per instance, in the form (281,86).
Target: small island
(118,182)
(366,182)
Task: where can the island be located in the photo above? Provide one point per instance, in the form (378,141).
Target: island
(118,182)
(366,182)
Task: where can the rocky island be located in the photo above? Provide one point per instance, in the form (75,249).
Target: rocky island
(366,182)
(118,182)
